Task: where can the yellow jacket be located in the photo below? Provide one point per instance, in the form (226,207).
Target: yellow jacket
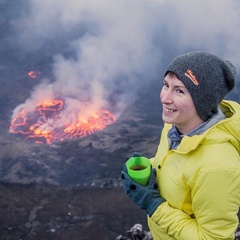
(200,181)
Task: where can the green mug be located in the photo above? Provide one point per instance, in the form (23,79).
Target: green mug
(139,169)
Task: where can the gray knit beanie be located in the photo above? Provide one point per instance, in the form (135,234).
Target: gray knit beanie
(207,77)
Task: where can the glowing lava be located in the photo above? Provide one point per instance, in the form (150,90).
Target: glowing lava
(45,124)
(33,74)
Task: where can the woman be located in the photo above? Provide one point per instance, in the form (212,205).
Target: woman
(194,188)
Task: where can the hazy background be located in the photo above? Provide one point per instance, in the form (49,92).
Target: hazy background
(104,52)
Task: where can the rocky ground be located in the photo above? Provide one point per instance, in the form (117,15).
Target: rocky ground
(71,190)
(237,234)
(48,212)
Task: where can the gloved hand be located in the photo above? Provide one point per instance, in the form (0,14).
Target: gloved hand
(135,154)
(147,197)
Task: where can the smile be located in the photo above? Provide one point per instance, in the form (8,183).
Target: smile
(169,110)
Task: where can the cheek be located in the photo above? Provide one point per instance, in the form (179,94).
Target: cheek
(161,94)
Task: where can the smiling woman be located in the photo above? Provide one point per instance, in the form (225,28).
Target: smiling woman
(194,188)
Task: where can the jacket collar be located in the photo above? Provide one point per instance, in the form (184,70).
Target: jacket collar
(175,137)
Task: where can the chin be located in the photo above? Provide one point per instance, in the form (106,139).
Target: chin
(168,120)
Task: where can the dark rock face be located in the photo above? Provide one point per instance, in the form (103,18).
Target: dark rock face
(72,189)
(136,233)
(237,234)
(77,162)
(43,211)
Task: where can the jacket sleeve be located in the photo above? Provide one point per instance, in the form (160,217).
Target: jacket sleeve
(215,203)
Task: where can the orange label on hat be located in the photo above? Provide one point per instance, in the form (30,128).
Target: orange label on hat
(190,75)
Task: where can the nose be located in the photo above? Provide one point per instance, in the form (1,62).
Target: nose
(166,96)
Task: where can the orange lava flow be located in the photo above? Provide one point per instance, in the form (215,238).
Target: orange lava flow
(33,74)
(41,125)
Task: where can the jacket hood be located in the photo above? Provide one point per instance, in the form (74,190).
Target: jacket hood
(226,130)
(231,124)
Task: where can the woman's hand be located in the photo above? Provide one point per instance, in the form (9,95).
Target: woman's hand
(147,197)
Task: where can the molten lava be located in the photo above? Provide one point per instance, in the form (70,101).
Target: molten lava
(33,74)
(45,124)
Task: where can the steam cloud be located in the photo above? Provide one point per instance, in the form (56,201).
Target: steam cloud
(107,50)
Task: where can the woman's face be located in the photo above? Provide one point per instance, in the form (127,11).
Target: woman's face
(178,106)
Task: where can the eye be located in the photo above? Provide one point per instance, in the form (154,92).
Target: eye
(178,90)
(165,84)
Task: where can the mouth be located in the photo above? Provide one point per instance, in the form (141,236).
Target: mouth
(169,110)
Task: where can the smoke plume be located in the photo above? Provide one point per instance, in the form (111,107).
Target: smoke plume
(103,52)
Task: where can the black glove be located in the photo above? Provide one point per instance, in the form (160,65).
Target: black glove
(147,197)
